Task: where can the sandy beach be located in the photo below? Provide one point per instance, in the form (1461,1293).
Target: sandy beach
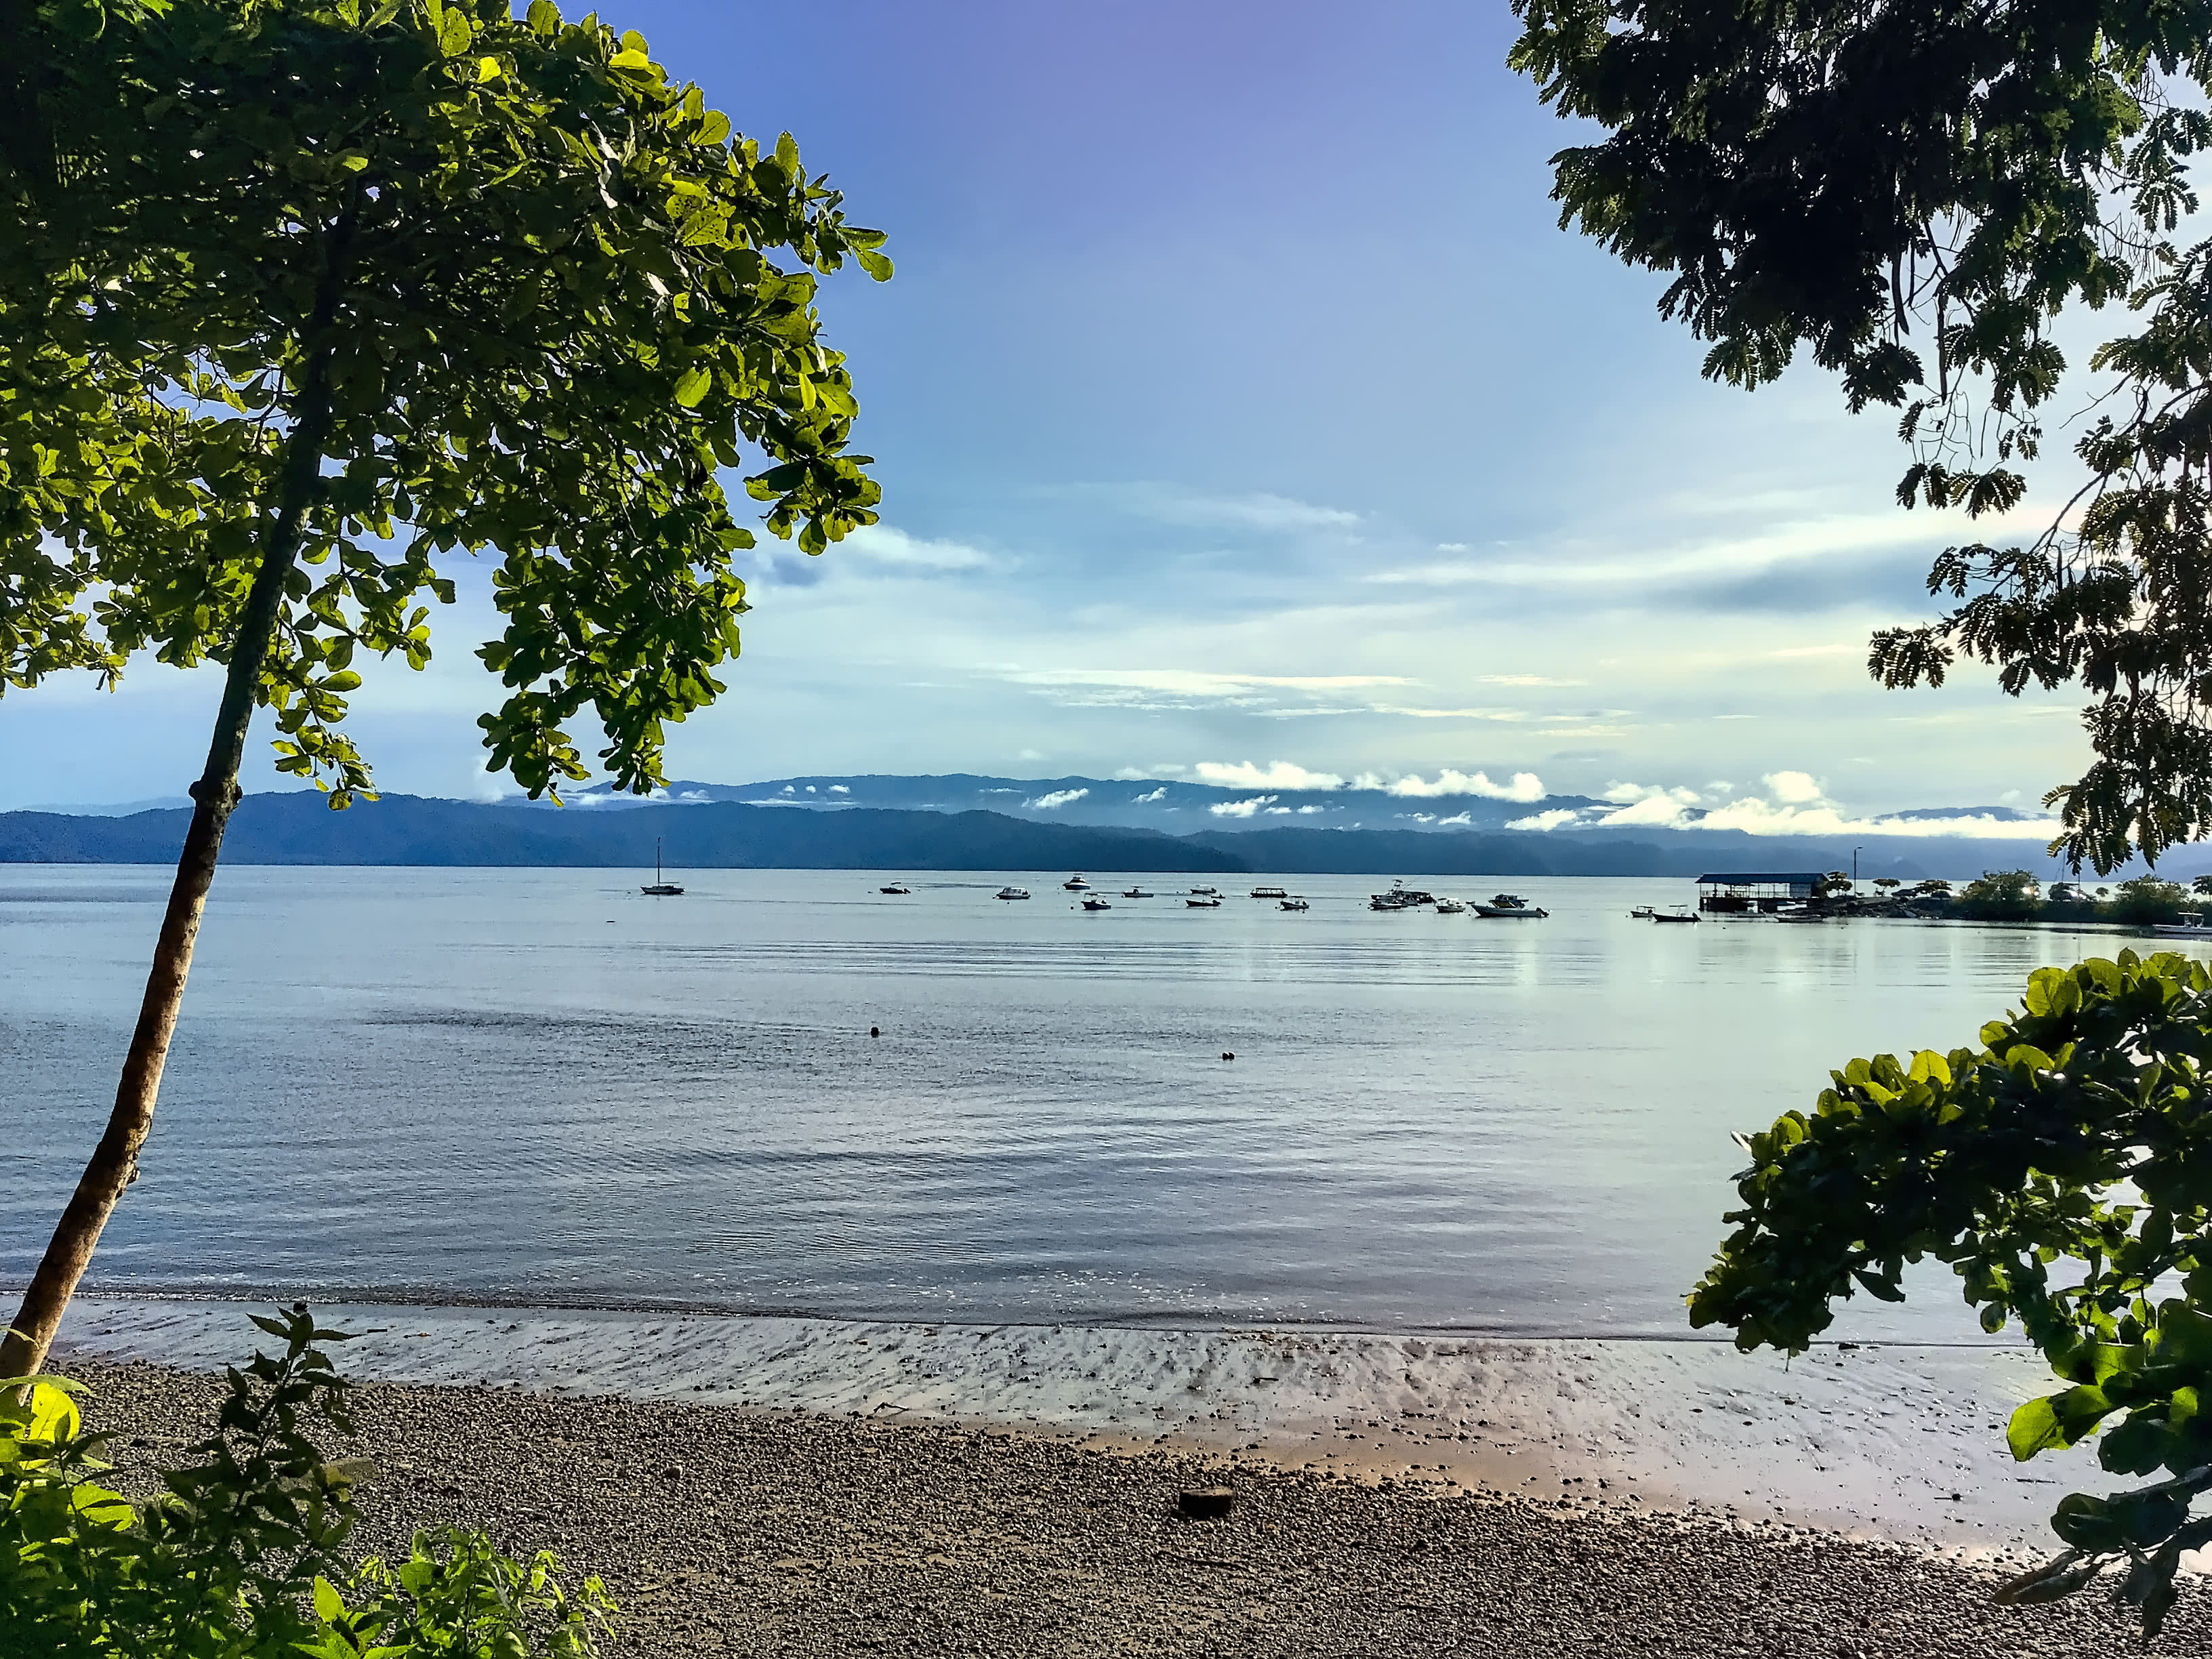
(764,1486)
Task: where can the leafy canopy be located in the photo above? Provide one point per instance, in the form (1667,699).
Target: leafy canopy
(1913,193)
(2063,1171)
(432,277)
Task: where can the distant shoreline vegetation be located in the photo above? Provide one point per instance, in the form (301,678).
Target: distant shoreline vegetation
(2017,896)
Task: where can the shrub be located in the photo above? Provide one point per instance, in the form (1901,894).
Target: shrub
(242,1555)
(2079,1131)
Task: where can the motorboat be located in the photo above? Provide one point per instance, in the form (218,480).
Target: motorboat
(659,887)
(1450,907)
(1399,897)
(2191,925)
(1269,892)
(1095,904)
(1135,892)
(1075,884)
(1680,913)
(1206,892)
(1200,901)
(1011,893)
(1511,907)
(895,887)
(1294,904)
(1643,912)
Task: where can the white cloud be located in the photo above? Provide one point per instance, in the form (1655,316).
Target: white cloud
(1172,688)
(1457,817)
(1557,817)
(1276,775)
(1279,811)
(1793,804)
(1241,809)
(1159,793)
(1661,810)
(839,789)
(879,543)
(1057,798)
(1260,511)
(1306,811)
(1627,793)
(1789,541)
(1525,786)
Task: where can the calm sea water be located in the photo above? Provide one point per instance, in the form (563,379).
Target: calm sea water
(538,1085)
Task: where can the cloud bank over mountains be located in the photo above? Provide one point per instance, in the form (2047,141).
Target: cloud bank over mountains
(1183,798)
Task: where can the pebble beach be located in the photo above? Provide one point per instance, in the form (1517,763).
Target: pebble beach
(724,1530)
(755,1486)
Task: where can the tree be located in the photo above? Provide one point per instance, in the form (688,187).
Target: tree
(2202,886)
(2060,1170)
(299,299)
(1887,884)
(2146,899)
(2000,896)
(1914,193)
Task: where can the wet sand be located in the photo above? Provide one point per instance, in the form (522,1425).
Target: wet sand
(1889,1442)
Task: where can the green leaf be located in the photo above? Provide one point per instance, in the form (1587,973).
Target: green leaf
(693,386)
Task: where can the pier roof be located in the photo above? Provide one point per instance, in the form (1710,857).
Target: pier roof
(1757,879)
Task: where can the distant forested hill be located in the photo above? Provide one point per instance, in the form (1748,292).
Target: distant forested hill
(407,829)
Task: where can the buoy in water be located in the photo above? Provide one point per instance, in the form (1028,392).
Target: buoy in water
(872,1031)
(1225,1055)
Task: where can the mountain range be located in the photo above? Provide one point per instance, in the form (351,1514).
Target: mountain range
(880,823)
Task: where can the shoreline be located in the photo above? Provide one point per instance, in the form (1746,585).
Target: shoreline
(784,1531)
(1878,1441)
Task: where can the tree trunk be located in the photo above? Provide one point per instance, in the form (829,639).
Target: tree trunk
(114,1162)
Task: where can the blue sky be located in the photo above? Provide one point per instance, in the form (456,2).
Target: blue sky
(1239,400)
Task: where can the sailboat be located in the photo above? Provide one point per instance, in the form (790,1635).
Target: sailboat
(660,888)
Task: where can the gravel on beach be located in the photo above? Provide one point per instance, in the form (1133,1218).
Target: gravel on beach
(723,1531)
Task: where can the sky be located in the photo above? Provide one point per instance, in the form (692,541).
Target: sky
(1238,401)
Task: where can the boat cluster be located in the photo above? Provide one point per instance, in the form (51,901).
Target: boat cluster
(1506,906)
(1197,898)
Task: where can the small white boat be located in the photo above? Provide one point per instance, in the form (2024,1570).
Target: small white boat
(1270,892)
(1135,892)
(659,887)
(1681,912)
(895,887)
(1512,907)
(1450,907)
(1294,904)
(1642,912)
(1011,893)
(1198,902)
(1206,892)
(1075,884)
(1096,904)
(2191,925)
